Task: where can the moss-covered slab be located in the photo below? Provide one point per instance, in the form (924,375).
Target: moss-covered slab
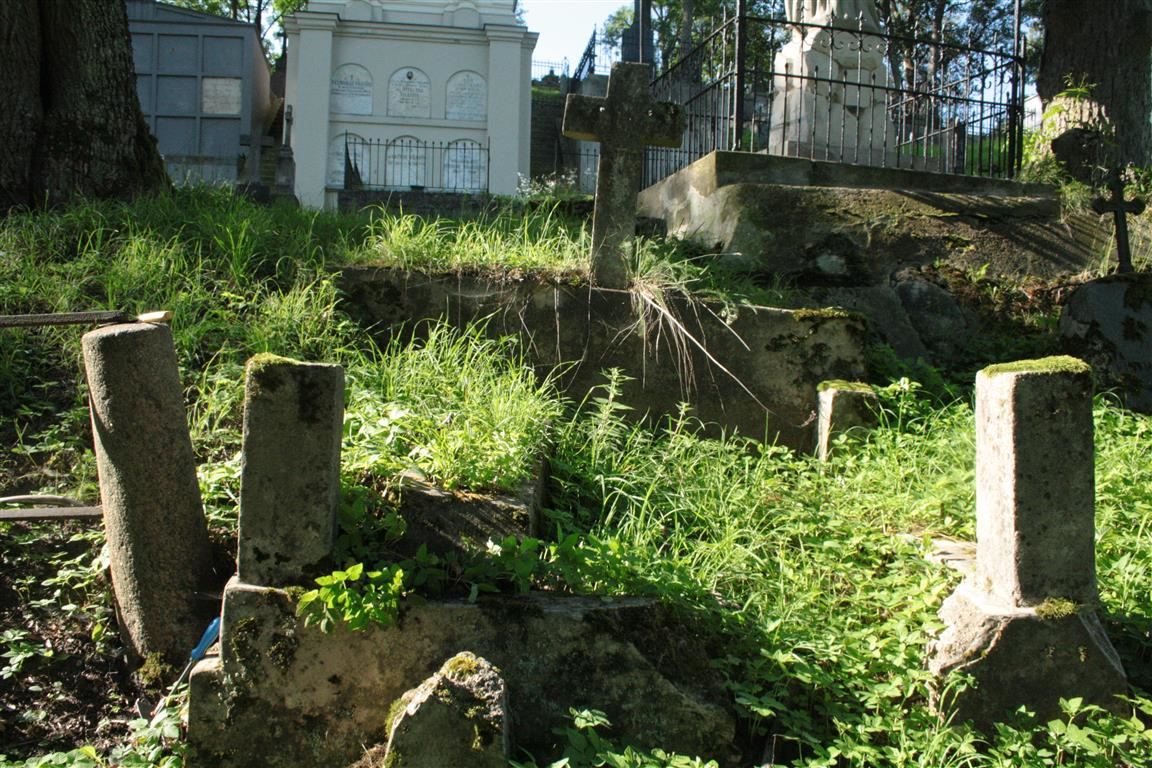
(284,695)
(745,368)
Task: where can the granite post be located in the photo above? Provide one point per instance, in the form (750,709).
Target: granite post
(290,482)
(1024,625)
(153,517)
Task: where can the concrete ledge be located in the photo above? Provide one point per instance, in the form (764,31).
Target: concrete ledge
(724,168)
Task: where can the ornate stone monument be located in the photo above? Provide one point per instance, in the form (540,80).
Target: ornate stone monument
(828,102)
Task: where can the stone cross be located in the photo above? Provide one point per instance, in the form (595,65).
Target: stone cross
(1119,208)
(624,123)
(1024,625)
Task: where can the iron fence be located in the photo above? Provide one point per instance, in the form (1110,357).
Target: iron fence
(407,163)
(846,92)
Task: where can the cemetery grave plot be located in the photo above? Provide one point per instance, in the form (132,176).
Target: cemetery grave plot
(850,583)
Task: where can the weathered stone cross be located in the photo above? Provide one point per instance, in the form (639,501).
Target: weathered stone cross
(624,123)
(1119,208)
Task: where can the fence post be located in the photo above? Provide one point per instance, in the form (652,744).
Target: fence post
(1016,111)
(741,74)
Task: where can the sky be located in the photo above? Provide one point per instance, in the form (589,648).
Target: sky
(566,25)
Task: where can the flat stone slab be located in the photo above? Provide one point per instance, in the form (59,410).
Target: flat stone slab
(1108,324)
(759,375)
(447,521)
(285,695)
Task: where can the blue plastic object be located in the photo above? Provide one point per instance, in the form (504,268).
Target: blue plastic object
(206,640)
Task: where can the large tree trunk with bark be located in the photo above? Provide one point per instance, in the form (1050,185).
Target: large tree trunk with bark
(1106,44)
(70,122)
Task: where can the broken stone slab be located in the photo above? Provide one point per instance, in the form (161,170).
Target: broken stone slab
(843,406)
(286,695)
(463,522)
(1023,625)
(153,517)
(1108,323)
(1023,657)
(457,717)
(290,481)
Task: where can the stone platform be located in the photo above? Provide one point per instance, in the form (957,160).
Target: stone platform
(855,225)
(290,696)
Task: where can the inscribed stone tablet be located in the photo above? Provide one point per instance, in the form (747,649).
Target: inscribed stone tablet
(465,166)
(351,91)
(409,94)
(352,148)
(220,95)
(467,97)
(405,163)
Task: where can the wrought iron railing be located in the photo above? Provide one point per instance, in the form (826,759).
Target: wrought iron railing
(407,163)
(845,92)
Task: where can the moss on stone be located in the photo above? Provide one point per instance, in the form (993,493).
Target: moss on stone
(242,638)
(154,671)
(826,313)
(844,385)
(461,666)
(1056,608)
(264,371)
(1055,364)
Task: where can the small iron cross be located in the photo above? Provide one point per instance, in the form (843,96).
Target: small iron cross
(1119,208)
(624,123)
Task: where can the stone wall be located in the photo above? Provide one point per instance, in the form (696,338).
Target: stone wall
(752,369)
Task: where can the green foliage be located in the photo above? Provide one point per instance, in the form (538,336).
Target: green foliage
(586,747)
(456,408)
(512,239)
(155,743)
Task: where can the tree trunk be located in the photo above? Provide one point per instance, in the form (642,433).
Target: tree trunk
(1109,46)
(70,121)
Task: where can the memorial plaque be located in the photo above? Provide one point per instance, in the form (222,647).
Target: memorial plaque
(409,94)
(357,152)
(405,163)
(220,95)
(465,166)
(467,97)
(351,91)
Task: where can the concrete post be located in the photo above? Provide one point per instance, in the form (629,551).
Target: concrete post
(841,406)
(290,482)
(1024,626)
(1035,482)
(153,517)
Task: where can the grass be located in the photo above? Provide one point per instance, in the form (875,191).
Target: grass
(812,579)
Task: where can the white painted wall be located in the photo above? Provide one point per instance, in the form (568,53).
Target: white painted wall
(436,40)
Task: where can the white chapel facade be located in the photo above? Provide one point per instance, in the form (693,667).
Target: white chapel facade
(407,94)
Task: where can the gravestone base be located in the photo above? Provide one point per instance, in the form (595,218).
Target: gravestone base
(283,695)
(1023,657)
